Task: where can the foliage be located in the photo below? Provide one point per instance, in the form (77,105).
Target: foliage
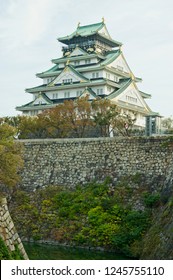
(91,215)
(167,123)
(168,142)
(124,123)
(151,199)
(6,254)
(10,156)
(73,119)
(103,113)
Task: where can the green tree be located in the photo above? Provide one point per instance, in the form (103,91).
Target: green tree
(10,156)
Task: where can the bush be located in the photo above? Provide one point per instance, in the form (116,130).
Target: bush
(90,215)
(151,200)
(6,254)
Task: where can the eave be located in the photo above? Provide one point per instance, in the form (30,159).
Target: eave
(80,68)
(90,31)
(35,107)
(135,108)
(74,58)
(74,40)
(145,95)
(46,88)
(120,90)
(96,67)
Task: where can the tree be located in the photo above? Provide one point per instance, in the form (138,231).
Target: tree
(123,124)
(10,156)
(70,119)
(104,113)
(74,119)
(56,122)
(167,123)
(78,115)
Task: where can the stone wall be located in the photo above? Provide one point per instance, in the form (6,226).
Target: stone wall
(8,231)
(69,162)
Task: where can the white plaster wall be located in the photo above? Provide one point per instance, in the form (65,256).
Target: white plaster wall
(89,75)
(113,77)
(120,62)
(73,92)
(132,92)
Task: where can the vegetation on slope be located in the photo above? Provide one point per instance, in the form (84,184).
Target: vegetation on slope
(95,215)
(10,157)
(6,254)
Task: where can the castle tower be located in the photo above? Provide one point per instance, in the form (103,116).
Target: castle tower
(92,63)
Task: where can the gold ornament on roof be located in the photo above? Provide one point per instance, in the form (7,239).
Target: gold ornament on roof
(132,76)
(68,61)
(78,24)
(103,19)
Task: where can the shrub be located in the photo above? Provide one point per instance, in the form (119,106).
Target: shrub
(151,200)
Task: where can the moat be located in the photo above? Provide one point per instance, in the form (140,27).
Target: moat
(50,252)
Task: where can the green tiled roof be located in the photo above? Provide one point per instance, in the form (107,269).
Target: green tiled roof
(42,95)
(90,91)
(74,71)
(154,114)
(88,30)
(119,91)
(85,30)
(46,98)
(110,57)
(77,73)
(44,88)
(145,95)
(74,58)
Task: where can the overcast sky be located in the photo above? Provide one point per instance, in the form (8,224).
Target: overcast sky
(29,29)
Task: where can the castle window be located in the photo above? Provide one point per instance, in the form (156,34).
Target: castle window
(76,63)
(34,113)
(109,89)
(78,93)
(93,75)
(66,94)
(67,81)
(107,76)
(116,79)
(99,91)
(55,95)
(120,68)
(87,61)
(131,99)
(97,74)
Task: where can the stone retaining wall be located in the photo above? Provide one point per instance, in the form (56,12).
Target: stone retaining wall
(8,231)
(69,162)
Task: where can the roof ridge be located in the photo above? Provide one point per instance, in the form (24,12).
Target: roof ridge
(93,24)
(121,89)
(77,72)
